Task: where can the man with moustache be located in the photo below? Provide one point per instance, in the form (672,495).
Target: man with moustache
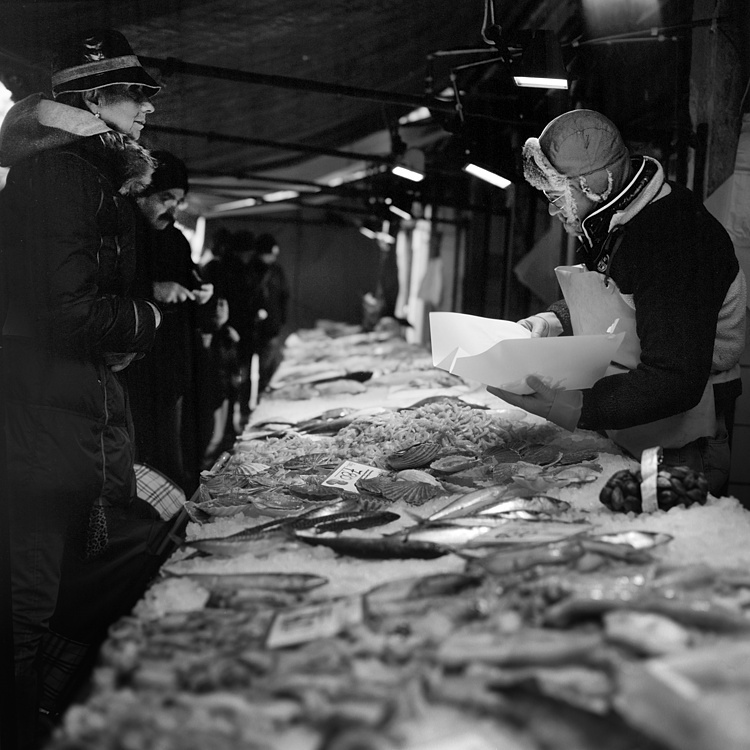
(162,385)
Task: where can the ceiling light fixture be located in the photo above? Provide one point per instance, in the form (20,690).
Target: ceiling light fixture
(398,207)
(281,195)
(233,205)
(379,236)
(408,174)
(488,175)
(541,63)
(410,166)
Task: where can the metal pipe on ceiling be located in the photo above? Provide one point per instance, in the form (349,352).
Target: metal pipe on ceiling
(318,150)
(170,65)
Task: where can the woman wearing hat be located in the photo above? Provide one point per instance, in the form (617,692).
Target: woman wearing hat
(654,260)
(71,325)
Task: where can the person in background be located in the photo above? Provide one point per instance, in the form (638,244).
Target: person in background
(219,378)
(272,309)
(162,386)
(70,326)
(241,274)
(655,260)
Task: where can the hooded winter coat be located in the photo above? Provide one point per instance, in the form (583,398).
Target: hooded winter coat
(67,241)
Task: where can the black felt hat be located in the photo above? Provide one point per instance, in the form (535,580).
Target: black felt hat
(99,57)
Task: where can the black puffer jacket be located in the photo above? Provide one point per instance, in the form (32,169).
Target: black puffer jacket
(67,239)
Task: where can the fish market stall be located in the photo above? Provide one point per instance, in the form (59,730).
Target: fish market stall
(391,558)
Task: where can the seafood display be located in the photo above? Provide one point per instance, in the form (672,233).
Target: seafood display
(460,577)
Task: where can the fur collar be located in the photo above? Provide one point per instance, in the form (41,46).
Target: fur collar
(37,124)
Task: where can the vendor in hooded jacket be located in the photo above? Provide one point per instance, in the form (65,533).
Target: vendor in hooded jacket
(660,269)
(70,324)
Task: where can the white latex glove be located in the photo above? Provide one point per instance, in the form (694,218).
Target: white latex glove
(542,324)
(554,404)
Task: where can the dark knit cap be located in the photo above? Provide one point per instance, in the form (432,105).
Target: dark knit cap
(170,172)
(265,244)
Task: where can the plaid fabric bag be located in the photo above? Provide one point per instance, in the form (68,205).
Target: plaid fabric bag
(61,661)
(159,491)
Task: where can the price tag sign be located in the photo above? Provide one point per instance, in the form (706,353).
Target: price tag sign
(346,474)
(324,620)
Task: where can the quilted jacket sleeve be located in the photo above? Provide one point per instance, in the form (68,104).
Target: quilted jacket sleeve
(81,252)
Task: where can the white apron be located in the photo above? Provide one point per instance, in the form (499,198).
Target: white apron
(594,306)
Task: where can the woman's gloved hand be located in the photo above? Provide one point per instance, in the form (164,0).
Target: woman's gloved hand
(554,404)
(542,324)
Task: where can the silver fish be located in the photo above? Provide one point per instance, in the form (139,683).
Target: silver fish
(446,533)
(270,581)
(535,504)
(462,504)
(379,548)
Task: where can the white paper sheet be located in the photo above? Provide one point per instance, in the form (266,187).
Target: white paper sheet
(503,354)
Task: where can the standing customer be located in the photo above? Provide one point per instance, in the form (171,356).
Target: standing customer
(70,324)
(162,386)
(657,261)
(272,312)
(241,279)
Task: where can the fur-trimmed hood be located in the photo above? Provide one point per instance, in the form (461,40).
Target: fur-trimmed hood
(37,124)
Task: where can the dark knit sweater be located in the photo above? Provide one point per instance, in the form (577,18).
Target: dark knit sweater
(678,263)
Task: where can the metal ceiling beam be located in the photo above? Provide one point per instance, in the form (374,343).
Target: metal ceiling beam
(170,65)
(317,150)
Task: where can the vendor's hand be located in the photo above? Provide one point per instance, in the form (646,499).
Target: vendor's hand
(169,292)
(202,295)
(117,361)
(542,325)
(555,404)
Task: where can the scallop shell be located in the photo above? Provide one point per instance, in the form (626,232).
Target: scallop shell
(218,483)
(417,475)
(541,455)
(228,505)
(373,485)
(577,457)
(279,501)
(502,455)
(311,461)
(452,464)
(414,457)
(248,469)
(313,491)
(413,493)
